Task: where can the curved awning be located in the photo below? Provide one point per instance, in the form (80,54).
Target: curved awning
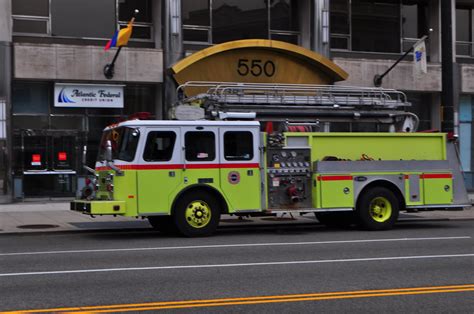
(258,61)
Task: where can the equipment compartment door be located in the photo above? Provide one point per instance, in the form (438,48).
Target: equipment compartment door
(160,169)
(337,191)
(240,167)
(438,188)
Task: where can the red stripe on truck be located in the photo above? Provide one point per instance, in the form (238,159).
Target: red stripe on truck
(436,176)
(182,166)
(334,178)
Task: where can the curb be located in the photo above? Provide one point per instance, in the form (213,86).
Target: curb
(227,226)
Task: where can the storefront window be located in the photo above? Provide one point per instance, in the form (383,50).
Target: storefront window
(139,98)
(470,174)
(30,121)
(33,113)
(31,97)
(466,138)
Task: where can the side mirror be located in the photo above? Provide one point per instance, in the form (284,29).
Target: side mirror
(84,160)
(108,151)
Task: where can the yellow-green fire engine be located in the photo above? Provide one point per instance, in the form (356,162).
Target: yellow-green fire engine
(183,175)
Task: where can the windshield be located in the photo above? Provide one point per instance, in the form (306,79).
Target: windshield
(124,142)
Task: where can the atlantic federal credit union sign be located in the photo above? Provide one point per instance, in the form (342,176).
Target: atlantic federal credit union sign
(88,96)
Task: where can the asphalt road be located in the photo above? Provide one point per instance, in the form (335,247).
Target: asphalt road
(419,267)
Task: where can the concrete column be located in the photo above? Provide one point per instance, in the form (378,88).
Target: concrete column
(321,27)
(304,16)
(172,49)
(157,26)
(5,88)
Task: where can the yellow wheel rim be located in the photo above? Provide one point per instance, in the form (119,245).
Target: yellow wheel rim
(380,209)
(198,214)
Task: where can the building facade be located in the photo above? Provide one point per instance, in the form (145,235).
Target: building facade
(50,47)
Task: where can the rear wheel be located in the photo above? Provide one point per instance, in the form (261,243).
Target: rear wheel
(378,209)
(196,214)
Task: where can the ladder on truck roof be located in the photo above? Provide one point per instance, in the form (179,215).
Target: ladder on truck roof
(297,94)
(299,102)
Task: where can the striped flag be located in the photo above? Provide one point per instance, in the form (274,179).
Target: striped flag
(120,37)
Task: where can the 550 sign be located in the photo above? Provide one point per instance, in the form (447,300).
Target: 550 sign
(256,67)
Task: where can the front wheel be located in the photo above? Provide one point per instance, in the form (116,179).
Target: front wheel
(196,214)
(377,209)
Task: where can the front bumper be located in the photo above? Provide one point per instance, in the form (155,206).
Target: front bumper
(99,207)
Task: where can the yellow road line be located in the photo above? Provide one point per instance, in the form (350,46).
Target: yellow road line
(256,300)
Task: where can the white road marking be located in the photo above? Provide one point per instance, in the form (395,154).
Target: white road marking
(217,246)
(173,267)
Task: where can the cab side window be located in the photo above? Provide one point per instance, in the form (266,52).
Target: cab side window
(238,145)
(200,146)
(159,146)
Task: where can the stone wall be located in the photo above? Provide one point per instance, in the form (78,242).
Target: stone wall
(70,62)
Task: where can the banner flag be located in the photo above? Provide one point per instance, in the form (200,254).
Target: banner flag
(419,57)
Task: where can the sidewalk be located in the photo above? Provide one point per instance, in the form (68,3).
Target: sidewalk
(56,216)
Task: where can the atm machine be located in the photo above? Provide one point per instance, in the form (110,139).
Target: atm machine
(47,162)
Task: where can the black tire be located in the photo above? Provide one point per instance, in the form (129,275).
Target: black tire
(196,214)
(336,219)
(377,209)
(163,224)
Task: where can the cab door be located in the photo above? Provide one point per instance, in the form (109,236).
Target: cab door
(240,167)
(200,156)
(159,171)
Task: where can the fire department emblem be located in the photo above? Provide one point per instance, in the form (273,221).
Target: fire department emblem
(233,177)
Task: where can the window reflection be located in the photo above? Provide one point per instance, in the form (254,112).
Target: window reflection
(376,26)
(236,19)
(463,31)
(218,21)
(195,12)
(284,15)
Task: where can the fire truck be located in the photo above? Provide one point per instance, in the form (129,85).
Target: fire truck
(349,155)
